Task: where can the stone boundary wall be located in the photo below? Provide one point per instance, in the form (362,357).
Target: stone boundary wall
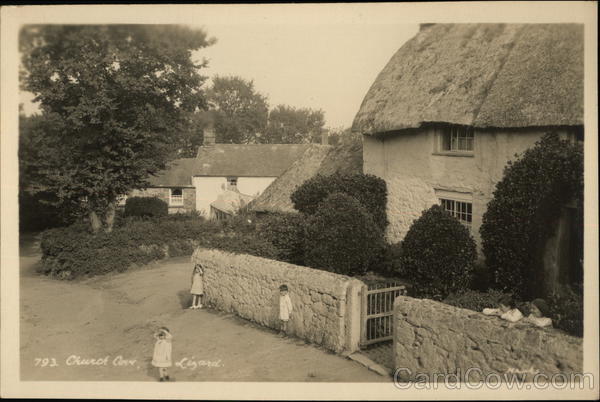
(432,337)
(326,306)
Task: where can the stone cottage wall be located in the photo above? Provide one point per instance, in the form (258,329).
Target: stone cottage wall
(189,197)
(326,305)
(413,171)
(432,337)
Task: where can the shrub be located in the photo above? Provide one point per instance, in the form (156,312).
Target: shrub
(369,190)
(524,210)
(477,301)
(566,310)
(390,263)
(481,277)
(438,254)
(146,207)
(74,251)
(285,231)
(342,236)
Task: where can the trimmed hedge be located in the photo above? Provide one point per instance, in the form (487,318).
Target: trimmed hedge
(146,207)
(477,301)
(286,232)
(342,237)
(525,209)
(73,251)
(369,190)
(438,254)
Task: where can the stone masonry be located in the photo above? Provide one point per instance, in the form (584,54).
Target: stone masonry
(326,306)
(432,337)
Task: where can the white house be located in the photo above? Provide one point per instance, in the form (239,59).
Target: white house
(210,182)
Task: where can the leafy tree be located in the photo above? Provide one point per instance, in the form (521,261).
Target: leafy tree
(240,112)
(117,99)
(524,211)
(39,208)
(288,125)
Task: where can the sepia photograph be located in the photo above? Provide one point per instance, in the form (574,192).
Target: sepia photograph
(349,201)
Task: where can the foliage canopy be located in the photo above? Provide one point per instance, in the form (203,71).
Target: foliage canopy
(115,99)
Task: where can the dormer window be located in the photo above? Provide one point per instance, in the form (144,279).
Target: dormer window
(455,140)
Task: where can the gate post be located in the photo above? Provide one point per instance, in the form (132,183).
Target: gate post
(353,318)
(363,314)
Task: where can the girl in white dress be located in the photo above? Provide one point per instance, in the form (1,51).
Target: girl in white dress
(162,352)
(197,289)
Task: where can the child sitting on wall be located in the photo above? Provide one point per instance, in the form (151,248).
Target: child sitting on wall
(507,310)
(538,313)
(285,309)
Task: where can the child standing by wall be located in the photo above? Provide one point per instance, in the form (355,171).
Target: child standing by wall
(197,289)
(162,352)
(285,308)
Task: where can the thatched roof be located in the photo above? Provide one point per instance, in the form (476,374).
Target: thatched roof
(483,75)
(240,160)
(318,159)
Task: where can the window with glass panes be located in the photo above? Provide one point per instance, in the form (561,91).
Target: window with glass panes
(457,139)
(176,198)
(461,210)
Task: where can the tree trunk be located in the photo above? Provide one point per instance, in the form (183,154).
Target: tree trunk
(95,221)
(110,216)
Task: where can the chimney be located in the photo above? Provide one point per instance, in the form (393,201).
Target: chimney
(324,137)
(209,136)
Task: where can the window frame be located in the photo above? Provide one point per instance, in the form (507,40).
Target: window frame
(175,200)
(458,199)
(446,136)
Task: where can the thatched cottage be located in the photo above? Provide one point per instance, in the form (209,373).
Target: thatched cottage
(457,102)
(222,177)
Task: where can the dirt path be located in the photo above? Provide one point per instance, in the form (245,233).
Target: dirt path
(111,319)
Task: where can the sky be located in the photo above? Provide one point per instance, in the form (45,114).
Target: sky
(328,66)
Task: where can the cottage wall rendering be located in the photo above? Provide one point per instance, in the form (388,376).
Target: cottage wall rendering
(418,174)
(210,187)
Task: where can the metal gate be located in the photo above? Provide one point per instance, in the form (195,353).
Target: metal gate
(377,311)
